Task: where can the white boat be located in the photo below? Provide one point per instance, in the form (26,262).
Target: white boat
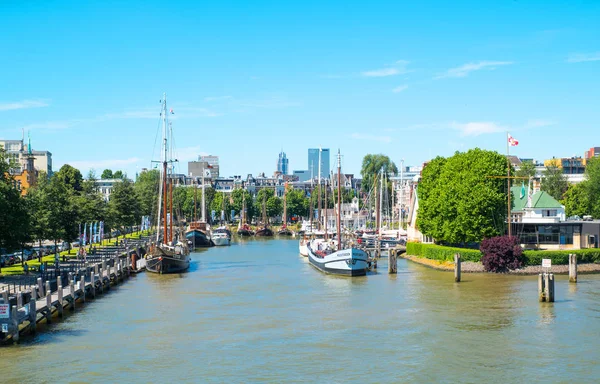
(330,256)
(323,255)
(221,239)
(304,246)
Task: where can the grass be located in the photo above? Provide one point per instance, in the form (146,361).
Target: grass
(17,269)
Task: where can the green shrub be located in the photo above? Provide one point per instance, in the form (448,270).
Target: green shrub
(590,255)
(441,253)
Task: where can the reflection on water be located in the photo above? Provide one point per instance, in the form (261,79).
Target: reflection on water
(258,312)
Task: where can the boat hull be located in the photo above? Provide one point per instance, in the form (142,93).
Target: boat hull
(245,233)
(345,262)
(303,248)
(221,241)
(168,264)
(264,232)
(199,239)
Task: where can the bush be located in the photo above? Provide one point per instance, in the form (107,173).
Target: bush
(501,253)
(441,253)
(589,255)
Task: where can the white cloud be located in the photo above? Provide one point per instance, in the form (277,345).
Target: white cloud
(582,57)
(464,70)
(105,163)
(381,72)
(362,136)
(538,123)
(477,128)
(25,104)
(398,68)
(400,88)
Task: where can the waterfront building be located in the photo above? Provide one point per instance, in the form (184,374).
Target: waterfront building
(106,186)
(282,163)
(591,153)
(18,152)
(206,165)
(351,216)
(302,175)
(255,184)
(568,165)
(313,162)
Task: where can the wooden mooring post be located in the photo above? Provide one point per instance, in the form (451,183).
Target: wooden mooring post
(546,287)
(392,262)
(457,267)
(572,268)
(59,291)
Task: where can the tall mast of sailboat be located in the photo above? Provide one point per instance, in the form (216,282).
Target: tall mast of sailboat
(203,208)
(339,198)
(380,201)
(165,159)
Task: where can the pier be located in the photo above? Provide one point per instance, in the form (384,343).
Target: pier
(24,304)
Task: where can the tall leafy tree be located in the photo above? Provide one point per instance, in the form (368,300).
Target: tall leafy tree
(592,174)
(91,203)
(577,200)
(58,210)
(372,165)
(70,177)
(146,188)
(14,214)
(554,182)
(124,207)
(238,196)
(526,169)
(458,200)
(118,175)
(297,203)
(107,174)
(274,206)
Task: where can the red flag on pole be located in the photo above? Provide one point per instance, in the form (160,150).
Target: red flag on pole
(512,141)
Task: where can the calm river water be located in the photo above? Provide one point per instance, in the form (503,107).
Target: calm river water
(258,312)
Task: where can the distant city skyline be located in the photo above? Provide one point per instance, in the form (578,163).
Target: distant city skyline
(379,77)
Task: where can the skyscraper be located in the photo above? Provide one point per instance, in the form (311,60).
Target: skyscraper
(282,163)
(313,162)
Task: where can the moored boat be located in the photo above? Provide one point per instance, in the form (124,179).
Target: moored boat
(221,236)
(170,255)
(197,233)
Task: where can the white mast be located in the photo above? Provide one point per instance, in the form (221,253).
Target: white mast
(163,160)
(400,214)
(203,203)
(380,201)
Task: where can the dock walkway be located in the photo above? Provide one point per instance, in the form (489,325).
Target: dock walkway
(21,310)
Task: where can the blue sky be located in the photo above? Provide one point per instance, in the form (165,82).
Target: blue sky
(408,79)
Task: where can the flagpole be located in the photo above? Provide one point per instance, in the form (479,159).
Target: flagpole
(508,182)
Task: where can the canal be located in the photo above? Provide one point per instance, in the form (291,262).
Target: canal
(258,312)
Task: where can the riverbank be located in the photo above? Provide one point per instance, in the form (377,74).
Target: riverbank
(34,264)
(473,267)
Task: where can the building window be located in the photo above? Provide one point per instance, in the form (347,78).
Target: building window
(548,212)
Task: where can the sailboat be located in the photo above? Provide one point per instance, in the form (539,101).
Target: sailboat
(197,230)
(168,255)
(336,256)
(265,231)
(221,236)
(244,229)
(284,231)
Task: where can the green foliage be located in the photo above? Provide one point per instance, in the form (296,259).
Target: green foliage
(577,200)
(70,177)
(441,253)
(589,255)
(146,190)
(107,174)
(458,201)
(14,213)
(58,211)
(274,206)
(527,169)
(372,164)
(554,182)
(239,195)
(592,173)
(118,175)
(124,207)
(297,203)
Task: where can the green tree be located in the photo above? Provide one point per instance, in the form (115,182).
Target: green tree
(58,209)
(14,213)
(297,203)
(107,174)
(124,207)
(526,169)
(118,175)
(458,201)
(91,203)
(372,165)
(274,206)
(146,189)
(554,182)
(592,174)
(577,200)
(70,177)
(238,196)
